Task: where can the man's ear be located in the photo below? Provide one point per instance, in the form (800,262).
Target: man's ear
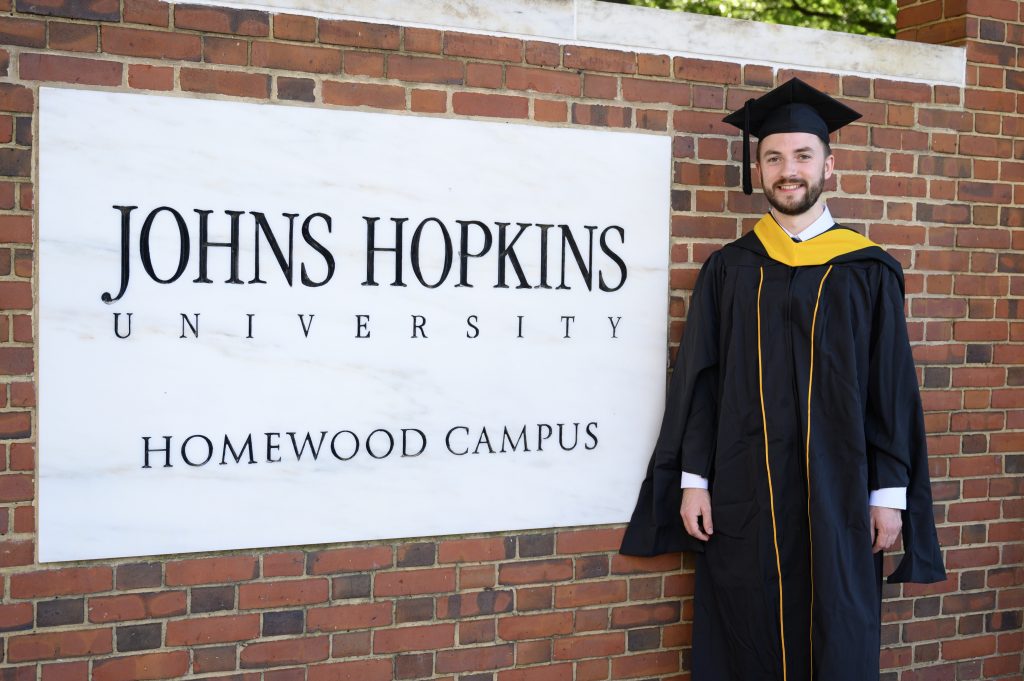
(830,165)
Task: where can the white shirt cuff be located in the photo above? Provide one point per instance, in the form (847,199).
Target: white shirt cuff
(693,481)
(888,497)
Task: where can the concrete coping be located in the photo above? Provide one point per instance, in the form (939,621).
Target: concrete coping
(649,30)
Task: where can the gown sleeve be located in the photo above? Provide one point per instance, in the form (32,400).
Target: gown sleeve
(687,437)
(895,434)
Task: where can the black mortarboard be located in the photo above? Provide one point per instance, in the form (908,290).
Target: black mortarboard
(794,106)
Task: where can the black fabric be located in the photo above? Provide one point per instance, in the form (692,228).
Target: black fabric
(794,106)
(867,432)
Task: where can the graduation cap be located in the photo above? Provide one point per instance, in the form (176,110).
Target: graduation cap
(794,106)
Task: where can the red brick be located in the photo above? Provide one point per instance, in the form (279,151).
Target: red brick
(279,594)
(598,114)
(358,670)
(965,466)
(477,631)
(548,672)
(1006,442)
(535,571)
(232,51)
(967,648)
(15,163)
(423,40)
(425,70)
(296,57)
(901,91)
(135,42)
(623,565)
(290,651)
(657,65)
(15,295)
(53,645)
(213,659)
(404,639)
(595,645)
(234,83)
(55,68)
(543,54)
(430,101)
(299,89)
(973,511)
(501,106)
(534,626)
(410,582)
(221,20)
(472,550)
(957,559)
(169,665)
(980,285)
(16,616)
(94,10)
(600,87)
(474,659)
(211,570)
(549,111)
(347,617)
(359,559)
(151,12)
(207,630)
(61,581)
(984,192)
(22,32)
(647,664)
(645,615)
(294,27)
(357,34)
(483,47)
(898,186)
(14,426)
(364,94)
(369,64)
(590,593)
(284,564)
(655,91)
(354,644)
(543,80)
(598,59)
(718,72)
(138,606)
(72,37)
(468,604)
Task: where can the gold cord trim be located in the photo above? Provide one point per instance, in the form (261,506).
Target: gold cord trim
(767,463)
(807,466)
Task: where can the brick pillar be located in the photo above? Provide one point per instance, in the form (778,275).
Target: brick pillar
(940,22)
(988,137)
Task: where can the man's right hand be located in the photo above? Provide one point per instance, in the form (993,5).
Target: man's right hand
(696,504)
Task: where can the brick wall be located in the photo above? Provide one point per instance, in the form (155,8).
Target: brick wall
(934,172)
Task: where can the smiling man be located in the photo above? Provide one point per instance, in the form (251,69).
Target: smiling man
(792,452)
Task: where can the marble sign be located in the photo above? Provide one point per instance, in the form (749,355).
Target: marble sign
(266,325)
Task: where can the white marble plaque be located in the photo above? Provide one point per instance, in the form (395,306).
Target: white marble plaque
(263,325)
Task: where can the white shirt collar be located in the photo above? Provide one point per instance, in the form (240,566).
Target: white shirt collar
(819,226)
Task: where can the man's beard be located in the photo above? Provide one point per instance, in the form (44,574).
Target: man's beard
(810,197)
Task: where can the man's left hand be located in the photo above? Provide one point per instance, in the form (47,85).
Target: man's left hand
(886,524)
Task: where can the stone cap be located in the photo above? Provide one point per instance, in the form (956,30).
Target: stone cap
(644,29)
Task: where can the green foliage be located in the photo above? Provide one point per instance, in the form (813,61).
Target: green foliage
(870,17)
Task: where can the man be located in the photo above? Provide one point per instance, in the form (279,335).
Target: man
(793,425)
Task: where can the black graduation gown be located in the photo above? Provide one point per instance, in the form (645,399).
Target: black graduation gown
(790,559)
